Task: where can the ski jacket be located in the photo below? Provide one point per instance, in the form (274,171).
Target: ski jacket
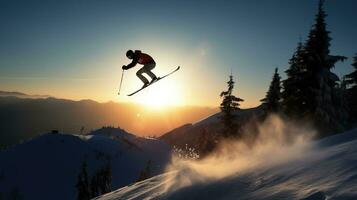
(141,58)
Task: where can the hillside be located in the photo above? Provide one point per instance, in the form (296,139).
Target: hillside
(190,133)
(49,164)
(320,170)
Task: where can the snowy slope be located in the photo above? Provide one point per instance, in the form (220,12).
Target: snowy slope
(50,164)
(327,169)
(190,133)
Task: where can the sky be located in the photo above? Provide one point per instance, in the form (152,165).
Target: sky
(75,49)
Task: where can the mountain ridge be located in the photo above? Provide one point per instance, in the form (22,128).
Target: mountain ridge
(23,118)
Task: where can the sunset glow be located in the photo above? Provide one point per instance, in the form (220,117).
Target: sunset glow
(161,94)
(82,59)
(178,99)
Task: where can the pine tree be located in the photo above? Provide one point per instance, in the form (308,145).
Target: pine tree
(343,101)
(101,182)
(15,194)
(351,82)
(94,186)
(293,97)
(229,104)
(145,173)
(83,188)
(271,102)
(206,143)
(108,178)
(321,85)
(105,179)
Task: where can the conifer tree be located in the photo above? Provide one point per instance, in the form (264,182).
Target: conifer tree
(145,173)
(323,94)
(108,178)
(101,182)
(271,102)
(83,190)
(94,186)
(293,97)
(229,104)
(321,103)
(105,179)
(351,82)
(206,143)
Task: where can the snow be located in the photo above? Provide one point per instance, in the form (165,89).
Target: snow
(216,117)
(190,134)
(47,167)
(316,170)
(50,164)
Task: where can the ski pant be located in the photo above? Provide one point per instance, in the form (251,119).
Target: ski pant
(146,69)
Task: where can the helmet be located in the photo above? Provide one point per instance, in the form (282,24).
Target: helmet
(129,54)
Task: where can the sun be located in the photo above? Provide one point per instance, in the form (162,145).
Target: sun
(160,95)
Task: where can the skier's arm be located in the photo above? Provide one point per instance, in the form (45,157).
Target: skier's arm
(133,63)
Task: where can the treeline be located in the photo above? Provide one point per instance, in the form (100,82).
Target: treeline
(311,92)
(100,183)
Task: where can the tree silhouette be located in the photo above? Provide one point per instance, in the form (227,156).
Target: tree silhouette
(145,173)
(229,104)
(271,102)
(206,143)
(351,82)
(293,97)
(323,95)
(101,182)
(312,91)
(83,190)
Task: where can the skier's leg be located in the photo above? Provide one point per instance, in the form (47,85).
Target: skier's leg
(139,74)
(148,68)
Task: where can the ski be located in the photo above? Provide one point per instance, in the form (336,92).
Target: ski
(159,78)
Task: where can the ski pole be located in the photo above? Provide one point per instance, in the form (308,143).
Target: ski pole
(121,81)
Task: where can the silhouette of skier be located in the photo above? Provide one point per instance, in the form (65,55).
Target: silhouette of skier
(144,59)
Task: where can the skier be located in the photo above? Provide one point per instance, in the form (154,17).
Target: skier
(143,59)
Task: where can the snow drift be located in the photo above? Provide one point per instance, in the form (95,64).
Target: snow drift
(277,142)
(283,163)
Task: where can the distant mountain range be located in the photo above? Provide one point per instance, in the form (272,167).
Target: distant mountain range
(23,117)
(56,158)
(21,95)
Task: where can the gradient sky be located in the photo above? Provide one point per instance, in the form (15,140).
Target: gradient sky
(75,49)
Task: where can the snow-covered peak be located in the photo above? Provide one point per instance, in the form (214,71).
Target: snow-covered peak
(112,132)
(47,166)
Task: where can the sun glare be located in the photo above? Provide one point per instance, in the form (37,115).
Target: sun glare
(160,95)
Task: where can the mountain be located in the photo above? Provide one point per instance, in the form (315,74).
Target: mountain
(327,169)
(189,134)
(47,166)
(21,95)
(25,118)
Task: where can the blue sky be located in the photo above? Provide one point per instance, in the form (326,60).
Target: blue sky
(75,49)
